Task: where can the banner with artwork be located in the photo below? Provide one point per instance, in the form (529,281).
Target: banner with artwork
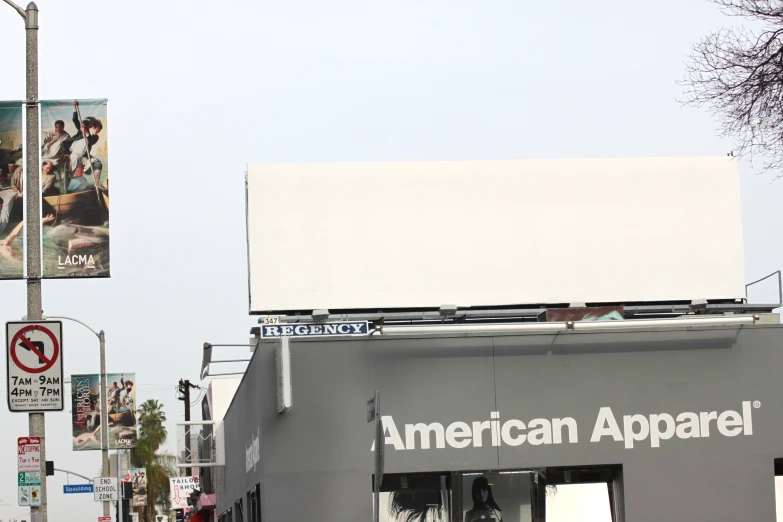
(75,188)
(138,479)
(121,404)
(11,191)
(86,408)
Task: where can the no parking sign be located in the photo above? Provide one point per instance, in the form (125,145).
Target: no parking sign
(34,363)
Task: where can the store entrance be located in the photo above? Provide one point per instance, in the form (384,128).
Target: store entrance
(504,496)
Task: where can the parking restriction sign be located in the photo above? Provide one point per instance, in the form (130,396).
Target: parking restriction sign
(28,451)
(34,364)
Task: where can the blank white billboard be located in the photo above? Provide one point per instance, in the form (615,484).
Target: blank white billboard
(369,236)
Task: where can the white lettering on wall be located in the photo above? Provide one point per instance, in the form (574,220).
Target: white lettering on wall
(253,451)
(654,429)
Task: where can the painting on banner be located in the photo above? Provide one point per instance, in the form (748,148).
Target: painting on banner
(121,406)
(138,479)
(75,188)
(86,408)
(11,191)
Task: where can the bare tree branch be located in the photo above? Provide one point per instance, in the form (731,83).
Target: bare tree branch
(737,74)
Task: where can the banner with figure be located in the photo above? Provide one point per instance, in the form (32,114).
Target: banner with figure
(138,479)
(86,408)
(75,188)
(120,402)
(11,191)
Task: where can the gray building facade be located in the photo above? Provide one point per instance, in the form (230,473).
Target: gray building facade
(683,424)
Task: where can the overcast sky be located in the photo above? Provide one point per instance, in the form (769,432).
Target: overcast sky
(198,89)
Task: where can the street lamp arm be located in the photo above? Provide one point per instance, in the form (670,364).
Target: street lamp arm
(88,479)
(18,9)
(97,334)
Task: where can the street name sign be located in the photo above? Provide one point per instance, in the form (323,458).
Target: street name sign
(105,489)
(77,488)
(28,451)
(34,366)
(347,328)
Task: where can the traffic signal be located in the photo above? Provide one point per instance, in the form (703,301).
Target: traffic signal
(180,515)
(127,490)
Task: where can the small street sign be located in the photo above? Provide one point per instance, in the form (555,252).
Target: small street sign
(29,496)
(77,488)
(28,450)
(105,489)
(30,478)
(34,366)
(108,519)
(24,496)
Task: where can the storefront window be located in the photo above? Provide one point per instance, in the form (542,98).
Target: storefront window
(779,490)
(578,503)
(590,494)
(503,496)
(415,498)
(239,515)
(254,504)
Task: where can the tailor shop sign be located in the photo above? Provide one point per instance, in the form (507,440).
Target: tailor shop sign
(632,431)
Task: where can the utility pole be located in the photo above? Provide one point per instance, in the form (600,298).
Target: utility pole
(184,389)
(104,418)
(32,194)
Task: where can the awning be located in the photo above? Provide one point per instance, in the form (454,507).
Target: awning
(206,502)
(200,516)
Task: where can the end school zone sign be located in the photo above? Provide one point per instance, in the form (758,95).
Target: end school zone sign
(349,328)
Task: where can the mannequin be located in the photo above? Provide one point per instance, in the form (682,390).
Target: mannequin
(485,509)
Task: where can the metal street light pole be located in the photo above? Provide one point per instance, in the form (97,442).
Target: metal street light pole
(32,195)
(104,410)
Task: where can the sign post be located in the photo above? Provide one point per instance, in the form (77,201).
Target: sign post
(374,415)
(34,366)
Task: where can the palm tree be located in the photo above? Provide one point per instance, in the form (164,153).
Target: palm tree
(152,421)
(159,466)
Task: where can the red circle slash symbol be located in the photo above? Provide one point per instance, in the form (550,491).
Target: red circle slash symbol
(20,340)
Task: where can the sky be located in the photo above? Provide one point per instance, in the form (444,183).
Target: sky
(199,89)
